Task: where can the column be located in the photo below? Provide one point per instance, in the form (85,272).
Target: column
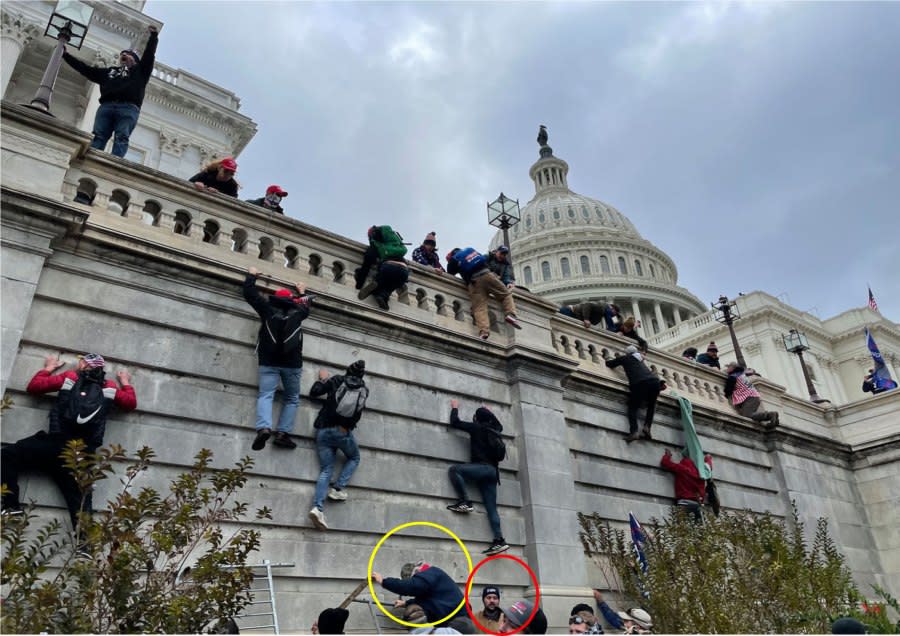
(676,313)
(14,38)
(90,109)
(657,309)
(636,310)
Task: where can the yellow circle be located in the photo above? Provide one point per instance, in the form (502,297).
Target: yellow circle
(372,560)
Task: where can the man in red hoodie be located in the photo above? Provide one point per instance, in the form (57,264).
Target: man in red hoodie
(85,398)
(690,488)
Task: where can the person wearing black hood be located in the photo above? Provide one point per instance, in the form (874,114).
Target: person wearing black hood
(345,399)
(486,448)
(122,90)
(280,350)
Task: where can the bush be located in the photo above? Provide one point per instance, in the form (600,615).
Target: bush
(739,573)
(122,571)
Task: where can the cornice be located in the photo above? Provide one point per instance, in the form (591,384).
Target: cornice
(628,288)
(235,126)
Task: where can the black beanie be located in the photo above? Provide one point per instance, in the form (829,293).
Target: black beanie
(357,369)
(490,589)
(331,620)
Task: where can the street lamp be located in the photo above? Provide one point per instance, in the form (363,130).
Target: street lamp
(68,24)
(796,342)
(504,213)
(726,313)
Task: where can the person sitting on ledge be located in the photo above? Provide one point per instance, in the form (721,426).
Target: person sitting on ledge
(426,254)
(711,357)
(594,313)
(387,250)
(217,176)
(272,200)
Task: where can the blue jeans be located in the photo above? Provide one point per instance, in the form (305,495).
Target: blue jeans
(485,477)
(115,118)
(328,442)
(268,384)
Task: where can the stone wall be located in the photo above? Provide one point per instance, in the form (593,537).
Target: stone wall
(168,307)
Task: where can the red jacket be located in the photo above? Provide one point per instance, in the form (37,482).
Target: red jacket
(121,396)
(688,484)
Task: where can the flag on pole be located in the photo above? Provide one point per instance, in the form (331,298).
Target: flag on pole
(638,539)
(881,377)
(872,304)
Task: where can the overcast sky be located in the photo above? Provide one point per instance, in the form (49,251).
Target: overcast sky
(758,144)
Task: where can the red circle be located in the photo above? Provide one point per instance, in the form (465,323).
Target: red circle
(537,598)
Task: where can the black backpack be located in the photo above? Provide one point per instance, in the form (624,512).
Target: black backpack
(284,330)
(495,445)
(84,404)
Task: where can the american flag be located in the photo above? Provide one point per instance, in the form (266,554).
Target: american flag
(872,304)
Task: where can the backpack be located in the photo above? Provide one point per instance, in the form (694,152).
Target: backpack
(350,397)
(495,445)
(391,246)
(284,330)
(84,403)
(712,496)
(469,261)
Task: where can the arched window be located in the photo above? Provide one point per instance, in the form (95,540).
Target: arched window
(585,265)
(585,213)
(527,272)
(604,264)
(599,212)
(150,215)
(556,214)
(652,271)
(182,222)
(571,213)
(564,266)
(290,257)
(239,240)
(622,268)
(528,221)
(545,270)
(210,232)
(541,217)
(637,268)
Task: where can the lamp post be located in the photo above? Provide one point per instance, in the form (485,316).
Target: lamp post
(796,342)
(503,213)
(726,313)
(68,24)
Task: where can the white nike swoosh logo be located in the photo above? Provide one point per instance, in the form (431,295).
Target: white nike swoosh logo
(82,420)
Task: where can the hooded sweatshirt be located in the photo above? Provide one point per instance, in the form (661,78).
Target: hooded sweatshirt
(267,349)
(119,83)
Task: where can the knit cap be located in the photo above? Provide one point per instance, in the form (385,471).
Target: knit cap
(430,239)
(712,347)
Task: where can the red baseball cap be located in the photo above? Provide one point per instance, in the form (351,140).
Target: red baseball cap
(274,189)
(229,164)
(284,293)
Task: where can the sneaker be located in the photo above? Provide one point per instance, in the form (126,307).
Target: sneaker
(497,546)
(513,321)
(336,494)
(367,290)
(318,519)
(283,440)
(461,506)
(262,436)
(382,302)
(633,437)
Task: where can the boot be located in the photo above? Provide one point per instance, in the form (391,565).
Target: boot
(632,437)
(645,433)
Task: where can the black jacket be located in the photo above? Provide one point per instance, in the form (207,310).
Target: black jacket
(635,369)
(503,270)
(327,418)
(269,354)
(633,334)
(118,83)
(261,202)
(208,178)
(708,360)
(478,437)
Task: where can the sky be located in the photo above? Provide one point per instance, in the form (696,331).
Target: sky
(757,144)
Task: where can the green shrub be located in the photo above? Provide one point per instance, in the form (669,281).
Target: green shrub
(122,570)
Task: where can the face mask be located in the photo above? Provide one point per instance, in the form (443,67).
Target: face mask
(272,200)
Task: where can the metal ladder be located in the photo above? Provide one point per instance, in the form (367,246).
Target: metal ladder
(269,588)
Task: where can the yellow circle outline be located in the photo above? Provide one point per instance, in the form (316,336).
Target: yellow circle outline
(372,560)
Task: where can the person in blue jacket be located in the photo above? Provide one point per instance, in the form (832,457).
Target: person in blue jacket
(432,589)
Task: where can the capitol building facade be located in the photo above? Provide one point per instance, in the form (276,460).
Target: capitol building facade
(570,248)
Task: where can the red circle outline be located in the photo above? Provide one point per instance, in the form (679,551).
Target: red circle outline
(537,598)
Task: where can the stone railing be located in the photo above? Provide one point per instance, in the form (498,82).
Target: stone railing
(165,74)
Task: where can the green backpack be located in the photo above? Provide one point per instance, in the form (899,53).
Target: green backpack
(391,246)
